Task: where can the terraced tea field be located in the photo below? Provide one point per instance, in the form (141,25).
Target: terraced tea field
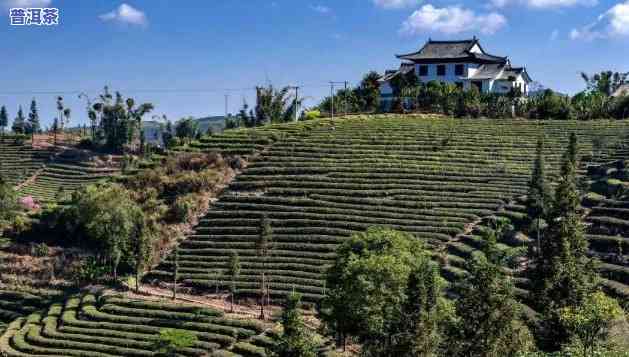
(44,172)
(68,172)
(18,161)
(321,181)
(104,326)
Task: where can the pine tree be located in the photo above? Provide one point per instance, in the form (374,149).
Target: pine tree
(19,124)
(488,315)
(296,340)
(175,272)
(563,275)
(539,196)
(33,119)
(234,272)
(4,119)
(263,247)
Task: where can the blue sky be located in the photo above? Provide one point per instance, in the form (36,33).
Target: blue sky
(184,56)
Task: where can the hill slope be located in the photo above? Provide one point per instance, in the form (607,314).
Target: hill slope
(321,181)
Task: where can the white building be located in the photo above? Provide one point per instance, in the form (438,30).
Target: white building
(463,63)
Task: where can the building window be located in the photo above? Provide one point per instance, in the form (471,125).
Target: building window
(423,70)
(441,70)
(458,69)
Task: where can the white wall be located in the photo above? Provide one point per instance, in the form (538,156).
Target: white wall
(450,77)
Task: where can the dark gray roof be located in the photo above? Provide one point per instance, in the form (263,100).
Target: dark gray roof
(449,50)
(405,67)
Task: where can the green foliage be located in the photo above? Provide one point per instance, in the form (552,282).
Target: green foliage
(9,206)
(563,275)
(296,340)
(488,316)
(4,118)
(119,120)
(368,283)
(172,340)
(312,114)
(33,126)
(108,222)
(590,322)
(19,124)
(187,129)
(605,82)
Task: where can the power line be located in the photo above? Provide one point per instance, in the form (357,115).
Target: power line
(154,90)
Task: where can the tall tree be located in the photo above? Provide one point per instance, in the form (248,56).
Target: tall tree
(234,272)
(538,202)
(606,82)
(296,340)
(19,125)
(370,90)
(488,321)
(263,248)
(4,119)
(424,313)
(367,286)
(175,271)
(33,119)
(563,275)
(55,130)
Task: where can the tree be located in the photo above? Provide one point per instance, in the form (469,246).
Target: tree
(175,271)
(234,272)
(370,91)
(105,220)
(563,275)
(4,119)
(605,82)
(539,197)
(33,119)
(487,321)
(367,286)
(296,340)
(120,119)
(424,313)
(9,205)
(55,130)
(187,128)
(19,125)
(263,248)
(590,322)
(171,340)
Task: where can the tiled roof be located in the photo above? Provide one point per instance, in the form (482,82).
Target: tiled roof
(440,50)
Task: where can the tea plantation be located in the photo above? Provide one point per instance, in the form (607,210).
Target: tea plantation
(94,325)
(18,160)
(48,174)
(320,181)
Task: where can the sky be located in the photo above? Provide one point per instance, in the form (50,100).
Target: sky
(185,56)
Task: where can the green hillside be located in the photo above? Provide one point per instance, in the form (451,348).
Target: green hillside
(93,325)
(321,181)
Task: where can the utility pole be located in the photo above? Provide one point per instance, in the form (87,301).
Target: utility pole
(226,104)
(345,99)
(332,96)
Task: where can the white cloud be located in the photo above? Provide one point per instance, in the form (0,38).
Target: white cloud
(612,23)
(126,14)
(543,4)
(320,9)
(26,3)
(451,20)
(396,4)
